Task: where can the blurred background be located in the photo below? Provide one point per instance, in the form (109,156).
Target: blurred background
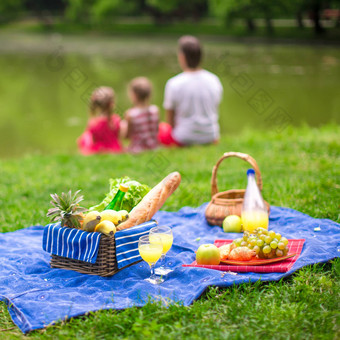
(279,62)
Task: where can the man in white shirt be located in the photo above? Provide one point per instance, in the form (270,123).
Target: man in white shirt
(191,100)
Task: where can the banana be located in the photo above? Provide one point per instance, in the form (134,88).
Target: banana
(112,216)
(91,220)
(106,227)
(124,215)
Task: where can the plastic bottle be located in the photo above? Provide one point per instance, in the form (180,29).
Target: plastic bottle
(254,211)
(116,203)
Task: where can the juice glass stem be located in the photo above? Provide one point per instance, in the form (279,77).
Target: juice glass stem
(154,279)
(152,269)
(162,269)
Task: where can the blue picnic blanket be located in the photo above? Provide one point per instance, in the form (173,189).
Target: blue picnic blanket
(38,295)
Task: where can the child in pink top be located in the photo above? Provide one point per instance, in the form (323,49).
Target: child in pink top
(141,121)
(102,132)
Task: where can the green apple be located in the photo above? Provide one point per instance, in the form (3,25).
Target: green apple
(232,224)
(208,254)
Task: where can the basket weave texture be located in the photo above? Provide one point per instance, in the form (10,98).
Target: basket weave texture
(106,264)
(228,202)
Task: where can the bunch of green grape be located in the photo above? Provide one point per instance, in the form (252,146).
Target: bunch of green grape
(266,244)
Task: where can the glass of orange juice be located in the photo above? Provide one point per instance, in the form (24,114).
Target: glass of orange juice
(165,233)
(151,251)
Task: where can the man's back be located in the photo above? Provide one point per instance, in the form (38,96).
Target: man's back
(195,97)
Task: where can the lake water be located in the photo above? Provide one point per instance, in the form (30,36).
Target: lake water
(45,82)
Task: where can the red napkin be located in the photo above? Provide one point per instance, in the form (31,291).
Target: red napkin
(294,246)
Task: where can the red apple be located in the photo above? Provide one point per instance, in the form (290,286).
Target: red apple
(208,254)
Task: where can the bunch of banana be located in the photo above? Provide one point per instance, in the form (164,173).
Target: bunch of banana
(104,222)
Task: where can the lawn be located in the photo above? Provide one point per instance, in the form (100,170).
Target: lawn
(300,170)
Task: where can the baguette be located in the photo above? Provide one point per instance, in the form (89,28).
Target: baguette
(152,201)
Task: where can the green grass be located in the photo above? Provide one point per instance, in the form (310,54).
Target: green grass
(300,169)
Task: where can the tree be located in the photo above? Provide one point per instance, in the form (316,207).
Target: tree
(247,10)
(313,8)
(267,9)
(94,11)
(9,9)
(165,11)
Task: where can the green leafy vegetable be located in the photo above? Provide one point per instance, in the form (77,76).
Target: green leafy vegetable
(133,196)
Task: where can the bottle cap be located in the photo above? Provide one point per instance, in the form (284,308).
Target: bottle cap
(250,172)
(123,187)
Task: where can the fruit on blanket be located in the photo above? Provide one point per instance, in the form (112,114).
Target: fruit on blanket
(112,216)
(106,227)
(208,254)
(232,224)
(91,220)
(266,244)
(66,209)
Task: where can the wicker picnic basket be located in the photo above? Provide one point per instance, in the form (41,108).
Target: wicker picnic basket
(109,259)
(106,264)
(141,216)
(228,202)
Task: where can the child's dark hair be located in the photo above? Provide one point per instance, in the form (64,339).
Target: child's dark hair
(191,48)
(141,87)
(102,98)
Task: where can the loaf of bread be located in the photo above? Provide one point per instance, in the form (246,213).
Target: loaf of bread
(152,201)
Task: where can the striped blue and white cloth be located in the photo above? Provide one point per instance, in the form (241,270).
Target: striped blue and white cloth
(71,243)
(127,243)
(83,246)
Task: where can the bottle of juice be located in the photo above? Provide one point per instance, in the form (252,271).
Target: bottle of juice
(116,203)
(254,211)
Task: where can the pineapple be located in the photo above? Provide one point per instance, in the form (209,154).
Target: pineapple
(66,209)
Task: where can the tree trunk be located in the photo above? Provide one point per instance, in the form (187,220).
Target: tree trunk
(269,25)
(299,20)
(250,25)
(337,24)
(318,29)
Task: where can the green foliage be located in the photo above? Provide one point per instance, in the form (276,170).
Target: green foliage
(247,9)
(164,6)
(251,9)
(133,196)
(9,9)
(94,11)
(221,8)
(177,9)
(105,8)
(8,6)
(78,10)
(91,11)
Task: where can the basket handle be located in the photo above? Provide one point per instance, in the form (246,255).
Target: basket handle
(245,157)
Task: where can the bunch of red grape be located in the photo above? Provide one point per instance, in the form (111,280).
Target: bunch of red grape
(266,244)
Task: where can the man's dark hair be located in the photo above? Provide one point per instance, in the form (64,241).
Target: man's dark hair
(191,48)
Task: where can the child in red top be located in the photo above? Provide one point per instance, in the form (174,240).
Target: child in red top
(102,132)
(141,121)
